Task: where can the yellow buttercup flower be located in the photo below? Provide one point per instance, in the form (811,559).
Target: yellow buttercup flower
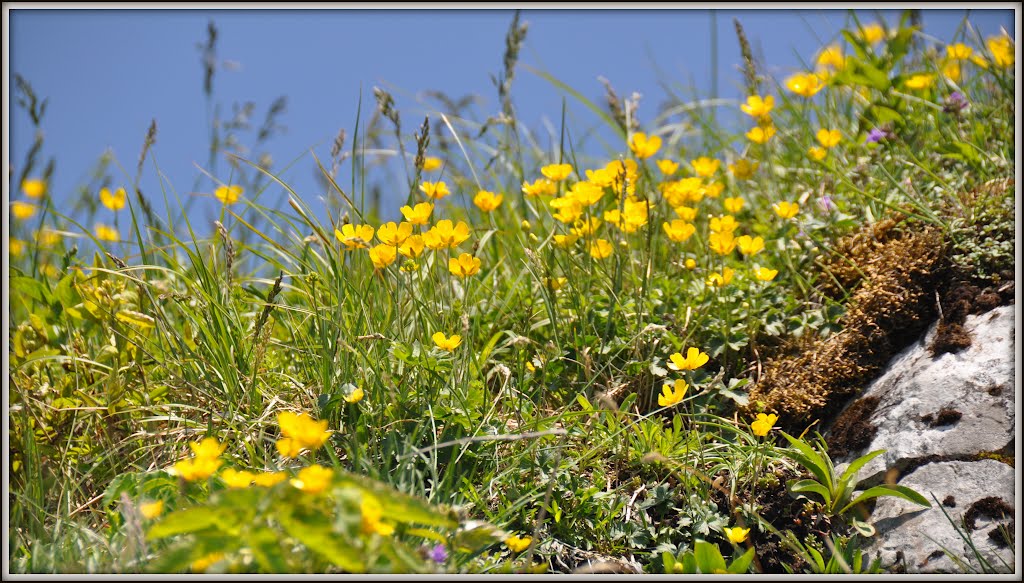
(465,266)
(270,479)
(705,166)
(632,216)
(556,172)
(372,512)
(446,235)
(419,214)
(355,396)
(565,240)
(952,71)
(832,56)
(690,264)
(151,510)
(667,167)
(687,213)
(208,448)
(758,107)
(197,468)
(958,51)
(394,234)
(313,479)
(600,249)
(354,236)
(750,246)
(16,247)
(695,358)
(872,33)
(487,201)
(33,187)
(553,284)
(743,168)
(804,84)
(733,204)
(786,210)
(737,535)
(761,135)
(448,343)
(817,153)
(518,544)
(206,561)
(114,200)
(586,193)
(720,279)
(540,187)
(431,163)
(763,424)
(713,190)
(1002,50)
(829,138)
(23,210)
(722,243)
(237,479)
(644,147)
(586,228)
(671,395)
(765,274)
(106,233)
(920,81)
(723,224)
(435,190)
(227,194)
(679,230)
(567,209)
(303,430)
(383,256)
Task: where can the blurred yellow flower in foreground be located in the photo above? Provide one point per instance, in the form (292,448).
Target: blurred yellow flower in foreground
(226,194)
(643,146)
(556,172)
(518,544)
(113,200)
(151,510)
(33,187)
(106,233)
(804,84)
(757,106)
(435,190)
(828,138)
(313,480)
(487,201)
(23,210)
(786,210)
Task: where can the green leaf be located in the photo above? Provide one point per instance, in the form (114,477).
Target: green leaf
(313,531)
(882,114)
(185,521)
(29,287)
(399,506)
(802,486)
(888,490)
(850,474)
(810,459)
(819,561)
(742,563)
(709,558)
(266,547)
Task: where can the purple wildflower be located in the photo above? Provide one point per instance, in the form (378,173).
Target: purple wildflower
(439,554)
(876,135)
(955,103)
(826,204)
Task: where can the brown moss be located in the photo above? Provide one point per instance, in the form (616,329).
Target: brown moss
(1001,536)
(852,430)
(949,502)
(895,272)
(950,337)
(946,416)
(993,507)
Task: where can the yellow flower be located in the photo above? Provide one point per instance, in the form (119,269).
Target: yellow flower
(567,208)
(632,217)
(197,468)
(713,190)
(435,190)
(765,274)
(763,424)
(465,266)
(554,284)
(786,210)
(418,215)
(828,138)
(23,210)
(678,230)
(288,447)
(105,233)
(705,166)
(804,84)
(33,187)
(761,135)
(518,544)
(687,213)
(758,107)
(487,201)
(720,279)
(16,247)
(431,163)
(951,71)
(565,240)
(372,512)
(667,167)
(586,193)
(206,561)
(556,172)
(958,51)
(643,146)
(832,56)
(679,192)
(600,249)
(412,247)
(750,246)
(151,510)
(208,448)
(313,480)
(817,153)
(1002,50)
(733,204)
(737,535)
(383,255)
(920,81)
(225,194)
(723,224)
(355,396)
(722,243)
(872,33)
(691,264)
(394,234)
(540,187)
(237,479)
(695,359)
(306,432)
(743,168)
(354,236)
(587,227)
(671,396)
(446,235)
(113,200)
(448,343)
(269,479)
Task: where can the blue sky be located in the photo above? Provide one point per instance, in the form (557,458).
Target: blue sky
(107,73)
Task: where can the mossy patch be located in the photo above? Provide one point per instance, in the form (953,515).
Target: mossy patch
(852,430)
(992,507)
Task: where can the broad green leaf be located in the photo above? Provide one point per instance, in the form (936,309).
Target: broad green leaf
(810,459)
(399,506)
(888,490)
(851,471)
(803,486)
(709,558)
(313,531)
(265,545)
(742,563)
(819,561)
(29,287)
(185,521)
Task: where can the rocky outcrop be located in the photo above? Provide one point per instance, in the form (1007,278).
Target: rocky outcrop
(943,422)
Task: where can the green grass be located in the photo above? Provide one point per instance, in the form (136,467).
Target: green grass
(545,421)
